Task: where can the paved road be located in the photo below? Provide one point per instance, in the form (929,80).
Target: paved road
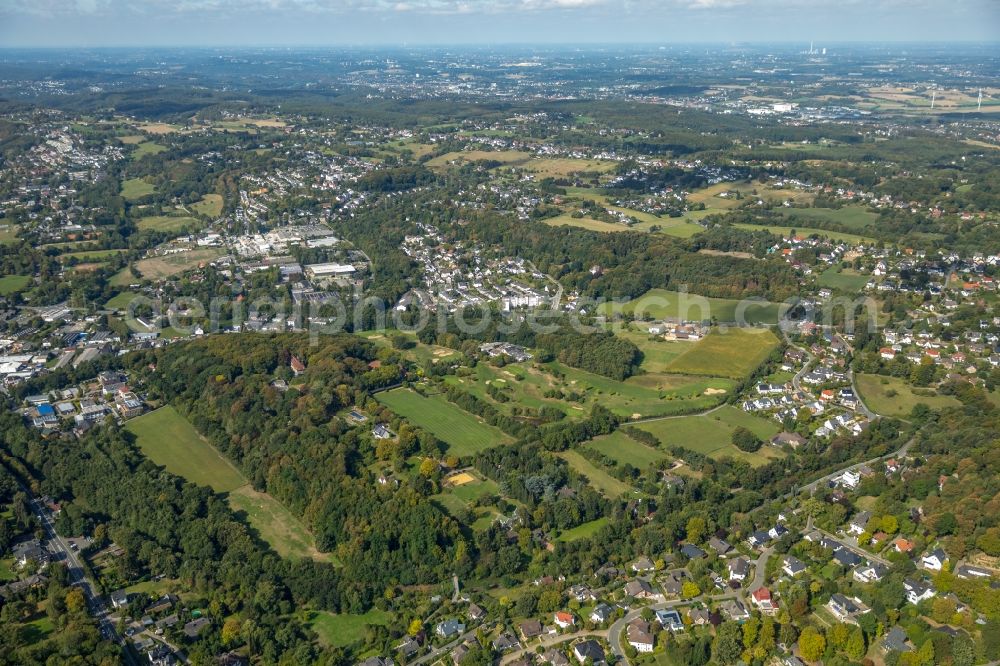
(849,543)
(549,641)
(76,576)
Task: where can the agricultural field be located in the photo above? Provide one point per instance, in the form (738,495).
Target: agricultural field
(710,434)
(464,433)
(136,188)
(733,352)
(845,279)
(164,223)
(154,268)
(147,148)
(158,128)
(667,304)
(892,396)
(210,204)
(602,482)
(343,629)
(11,284)
(169,439)
(624,450)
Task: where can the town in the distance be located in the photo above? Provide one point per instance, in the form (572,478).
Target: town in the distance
(637,356)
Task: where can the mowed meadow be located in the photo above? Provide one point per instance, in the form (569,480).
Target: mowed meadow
(169,440)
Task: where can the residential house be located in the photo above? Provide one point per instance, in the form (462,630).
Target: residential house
(670,619)
(553,657)
(934,560)
(739,568)
(859,522)
(793,566)
(870,573)
(449,628)
(846,609)
(30,551)
(119,599)
(564,620)
(896,640)
(377,661)
(506,642)
(719,546)
(589,649)
(692,552)
(902,545)
(639,589)
(194,628)
(761,598)
(735,610)
(531,629)
(601,613)
(639,635)
(917,590)
(969,572)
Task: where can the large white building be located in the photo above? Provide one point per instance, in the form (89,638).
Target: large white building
(329,270)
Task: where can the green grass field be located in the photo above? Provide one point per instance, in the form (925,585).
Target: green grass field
(786,231)
(168,439)
(136,188)
(10,284)
(623,449)
(734,353)
(842,278)
(90,256)
(666,304)
(463,432)
(710,434)
(892,396)
(586,223)
(597,477)
(210,204)
(854,217)
(164,223)
(342,630)
(583,531)
(121,301)
(657,353)
(648,394)
(8,233)
(147,148)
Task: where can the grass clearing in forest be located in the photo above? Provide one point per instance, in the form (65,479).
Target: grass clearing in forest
(464,433)
(597,477)
(169,440)
(584,531)
(11,284)
(147,148)
(136,188)
(210,204)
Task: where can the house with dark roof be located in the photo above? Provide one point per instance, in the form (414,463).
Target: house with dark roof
(589,649)
(896,640)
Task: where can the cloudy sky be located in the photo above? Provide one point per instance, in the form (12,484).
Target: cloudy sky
(351,22)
